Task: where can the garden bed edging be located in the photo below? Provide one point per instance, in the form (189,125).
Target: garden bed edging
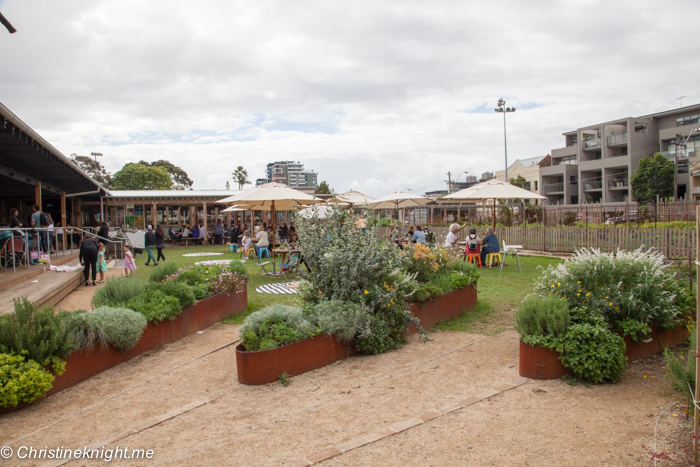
(265,366)
(541,363)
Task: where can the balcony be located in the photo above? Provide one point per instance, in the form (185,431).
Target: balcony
(591,144)
(617,140)
(696,190)
(554,188)
(618,183)
(593,185)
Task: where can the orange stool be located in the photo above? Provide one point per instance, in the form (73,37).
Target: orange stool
(471,257)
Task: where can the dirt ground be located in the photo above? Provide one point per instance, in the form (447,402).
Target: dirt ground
(537,423)
(80,298)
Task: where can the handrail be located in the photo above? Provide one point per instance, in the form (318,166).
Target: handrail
(58,230)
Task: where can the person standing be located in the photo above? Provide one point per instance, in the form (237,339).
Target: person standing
(129,264)
(15,223)
(218,232)
(150,242)
(88,258)
(50,233)
(101,263)
(36,223)
(103,233)
(160,242)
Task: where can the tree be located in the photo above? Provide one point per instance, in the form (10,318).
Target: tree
(179,177)
(654,176)
(323,189)
(94,169)
(142,177)
(519,182)
(240,176)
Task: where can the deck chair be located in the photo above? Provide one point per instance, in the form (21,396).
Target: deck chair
(291,267)
(262,266)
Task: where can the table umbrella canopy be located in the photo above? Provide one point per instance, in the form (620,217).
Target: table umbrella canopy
(491,189)
(322,211)
(354,198)
(265,197)
(398,200)
(233,209)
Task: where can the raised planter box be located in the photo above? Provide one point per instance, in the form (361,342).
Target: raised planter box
(541,363)
(265,366)
(89,361)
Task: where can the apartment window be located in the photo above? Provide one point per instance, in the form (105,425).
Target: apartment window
(623,151)
(641,128)
(574,199)
(535,185)
(568,160)
(527,186)
(683,166)
(687,120)
(571,140)
(573,179)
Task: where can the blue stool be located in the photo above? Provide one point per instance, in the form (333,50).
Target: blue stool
(232,247)
(265,249)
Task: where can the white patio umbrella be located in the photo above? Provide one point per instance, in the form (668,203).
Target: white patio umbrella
(233,209)
(399,199)
(321,210)
(354,198)
(491,189)
(270,197)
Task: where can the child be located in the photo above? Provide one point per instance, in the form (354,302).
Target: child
(129,264)
(101,263)
(473,242)
(247,243)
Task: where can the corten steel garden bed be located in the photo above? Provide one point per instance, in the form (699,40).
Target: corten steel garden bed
(540,363)
(89,361)
(265,366)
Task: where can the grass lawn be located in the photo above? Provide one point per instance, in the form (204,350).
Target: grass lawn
(256,301)
(500,293)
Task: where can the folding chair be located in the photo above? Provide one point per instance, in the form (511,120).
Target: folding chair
(290,267)
(262,266)
(513,250)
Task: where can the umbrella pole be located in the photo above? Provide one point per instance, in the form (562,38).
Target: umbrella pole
(274,227)
(494,214)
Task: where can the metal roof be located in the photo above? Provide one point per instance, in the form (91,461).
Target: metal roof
(183,194)
(26,155)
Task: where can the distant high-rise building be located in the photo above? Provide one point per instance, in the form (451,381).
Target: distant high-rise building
(291,174)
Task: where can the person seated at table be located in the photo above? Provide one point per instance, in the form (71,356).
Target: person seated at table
(285,230)
(418,235)
(185,232)
(247,243)
(261,240)
(173,236)
(473,243)
(490,244)
(394,237)
(293,239)
(452,237)
(195,231)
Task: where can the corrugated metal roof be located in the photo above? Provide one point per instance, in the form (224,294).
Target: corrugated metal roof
(218,194)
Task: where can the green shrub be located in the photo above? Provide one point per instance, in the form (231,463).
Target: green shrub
(155,306)
(424,261)
(344,320)
(229,281)
(163,270)
(237,266)
(387,331)
(275,326)
(635,285)
(427,292)
(117,291)
(36,334)
(683,374)
(443,280)
(593,352)
(179,290)
(462,279)
(201,291)
(538,320)
(22,381)
(119,327)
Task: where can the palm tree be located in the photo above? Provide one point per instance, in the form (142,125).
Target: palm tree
(240,176)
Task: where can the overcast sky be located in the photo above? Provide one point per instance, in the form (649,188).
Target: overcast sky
(373,95)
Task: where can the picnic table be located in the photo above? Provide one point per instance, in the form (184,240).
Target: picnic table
(284,252)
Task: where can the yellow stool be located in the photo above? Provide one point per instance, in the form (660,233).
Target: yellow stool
(491,256)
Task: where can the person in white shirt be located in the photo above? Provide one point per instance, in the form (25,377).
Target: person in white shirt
(452,239)
(261,241)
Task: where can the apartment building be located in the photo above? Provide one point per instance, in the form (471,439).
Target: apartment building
(292,174)
(529,169)
(597,160)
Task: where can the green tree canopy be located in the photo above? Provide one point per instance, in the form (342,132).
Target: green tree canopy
(142,177)
(323,189)
(519,182)
(654,176)
(94,169)
(240,176)
(181,180)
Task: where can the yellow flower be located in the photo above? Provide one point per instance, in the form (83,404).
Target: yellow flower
(552,286)
(578,282)
(366,292)
(558,284)
(610,303)
(588,294)
(578,294)
(388,305)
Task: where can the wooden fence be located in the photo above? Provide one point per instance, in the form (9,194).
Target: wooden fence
(674,243)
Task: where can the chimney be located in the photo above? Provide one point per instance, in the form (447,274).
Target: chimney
(228,186)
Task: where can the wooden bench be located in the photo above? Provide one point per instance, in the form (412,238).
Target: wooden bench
(194,241)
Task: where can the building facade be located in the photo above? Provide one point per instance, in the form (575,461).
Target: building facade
(529,169)
(597,161)
(291,174)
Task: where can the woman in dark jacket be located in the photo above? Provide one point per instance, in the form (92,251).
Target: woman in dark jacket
(218,232)
(104,234)
(88,257)
(160,242)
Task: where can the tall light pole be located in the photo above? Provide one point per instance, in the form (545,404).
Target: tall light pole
(504,110)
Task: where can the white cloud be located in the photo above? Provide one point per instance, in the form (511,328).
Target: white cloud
(374,96)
